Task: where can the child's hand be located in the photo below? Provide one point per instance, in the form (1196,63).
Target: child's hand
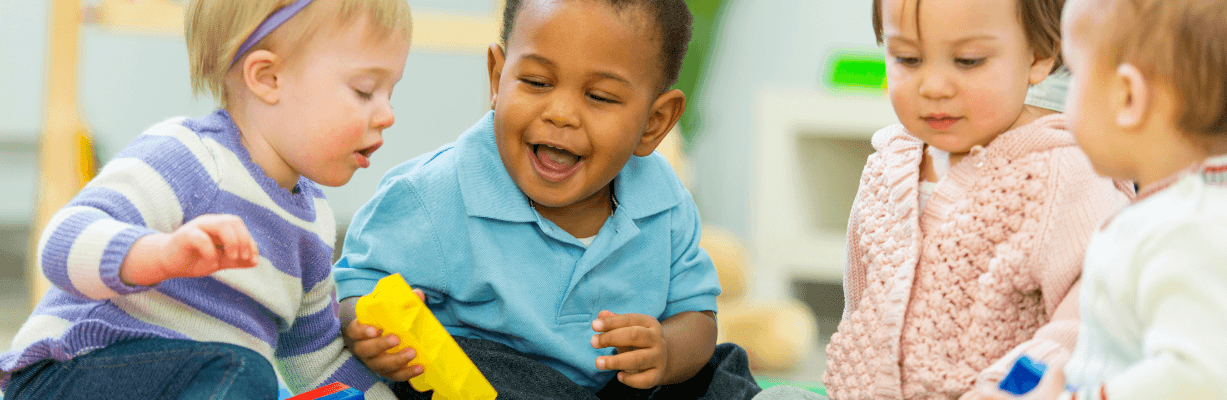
(371,348)
(640,344)
(204,245)
(1050,386)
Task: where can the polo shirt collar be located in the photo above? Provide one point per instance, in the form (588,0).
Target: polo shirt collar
(642,188)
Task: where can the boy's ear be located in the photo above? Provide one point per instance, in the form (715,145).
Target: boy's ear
(1040,68)
(1131,98)
(260,69)
(666,110)
(494,64)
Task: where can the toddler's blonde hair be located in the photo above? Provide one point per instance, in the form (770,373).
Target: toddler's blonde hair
(1181,43)
(215,29)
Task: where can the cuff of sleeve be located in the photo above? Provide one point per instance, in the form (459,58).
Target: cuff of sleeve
(697,304)
(113,257)
(354,282)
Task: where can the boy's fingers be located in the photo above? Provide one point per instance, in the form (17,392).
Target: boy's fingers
(371,348)
(203,245)
(406,373)
(611,321)
(635,336)
(642,380)
(421,294)
(637,360)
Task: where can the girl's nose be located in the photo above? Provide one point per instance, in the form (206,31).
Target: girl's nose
(936,84)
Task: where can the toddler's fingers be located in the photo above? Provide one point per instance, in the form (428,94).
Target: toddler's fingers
(642,380)
(608,321)
(406,373)
(634,336)
(203,244)
(388,363)
(635,360)
(251,252)
(357,331)
(374,347)
(421,294)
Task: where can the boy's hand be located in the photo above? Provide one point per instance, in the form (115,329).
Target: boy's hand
(371,347)
(640,344)
(204,245)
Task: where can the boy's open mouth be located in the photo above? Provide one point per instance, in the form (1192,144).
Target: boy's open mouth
(555,158)
(555,164)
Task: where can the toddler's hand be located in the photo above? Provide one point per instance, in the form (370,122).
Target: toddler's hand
(204,245)
(640,344)
(371,347)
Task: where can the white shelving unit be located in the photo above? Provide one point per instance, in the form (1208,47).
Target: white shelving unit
(809,150)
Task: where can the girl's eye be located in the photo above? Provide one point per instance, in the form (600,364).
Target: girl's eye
(908,61)
(363,95)
(969,62)
(602,99)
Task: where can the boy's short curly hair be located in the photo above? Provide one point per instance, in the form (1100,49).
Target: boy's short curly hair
(1041,20)
(215,29)
(672,19)
(1178,43)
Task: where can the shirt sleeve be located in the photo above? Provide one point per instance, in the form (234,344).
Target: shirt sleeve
(392,233)
(148,188)
(693,285)
(312,354)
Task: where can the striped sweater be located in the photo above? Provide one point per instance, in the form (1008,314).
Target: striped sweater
(284,308)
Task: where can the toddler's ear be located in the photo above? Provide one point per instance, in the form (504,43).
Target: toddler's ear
(494,65)
(1040,68)
(666,110)
(1130,96)
(260,69)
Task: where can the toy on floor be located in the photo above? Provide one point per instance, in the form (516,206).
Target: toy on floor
(1024,376)
(775,334)
(395,309)
(333,391)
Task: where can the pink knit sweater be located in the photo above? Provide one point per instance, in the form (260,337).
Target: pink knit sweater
(935,297)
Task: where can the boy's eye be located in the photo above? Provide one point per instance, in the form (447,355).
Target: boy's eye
(969,62)
(364,95)
(908,61)
(602,99)
(534,83)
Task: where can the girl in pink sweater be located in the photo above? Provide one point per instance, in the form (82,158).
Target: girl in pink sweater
(966,240)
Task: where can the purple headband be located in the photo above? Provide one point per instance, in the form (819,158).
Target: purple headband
(269,24)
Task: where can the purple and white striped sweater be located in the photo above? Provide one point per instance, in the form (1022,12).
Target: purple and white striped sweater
(285,308)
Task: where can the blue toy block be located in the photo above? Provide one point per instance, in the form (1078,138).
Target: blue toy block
(1024,376)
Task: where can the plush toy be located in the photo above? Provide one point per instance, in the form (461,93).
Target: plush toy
(775,334)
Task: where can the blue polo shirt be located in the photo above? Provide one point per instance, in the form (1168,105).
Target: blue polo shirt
(455,225)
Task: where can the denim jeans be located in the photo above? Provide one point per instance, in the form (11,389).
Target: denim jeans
(150,369)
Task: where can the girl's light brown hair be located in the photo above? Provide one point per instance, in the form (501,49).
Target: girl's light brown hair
(215,29)
(1041,21)
(1181,44)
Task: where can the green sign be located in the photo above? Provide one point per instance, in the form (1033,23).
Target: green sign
(857,71)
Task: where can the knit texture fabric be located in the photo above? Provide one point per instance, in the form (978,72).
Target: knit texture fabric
(284,308)
(934,297)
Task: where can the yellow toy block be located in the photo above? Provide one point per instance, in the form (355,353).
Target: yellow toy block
(395,309)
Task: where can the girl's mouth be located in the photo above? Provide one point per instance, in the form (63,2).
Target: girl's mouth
(941,121)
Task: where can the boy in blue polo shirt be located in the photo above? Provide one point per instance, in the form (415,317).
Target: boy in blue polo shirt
(550,234)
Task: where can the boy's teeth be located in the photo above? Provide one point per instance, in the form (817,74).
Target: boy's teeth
(558,156)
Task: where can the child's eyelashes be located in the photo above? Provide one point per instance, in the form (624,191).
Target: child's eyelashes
(602,99)
(364,95)
(535,83)
(969,62)
(908,61)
